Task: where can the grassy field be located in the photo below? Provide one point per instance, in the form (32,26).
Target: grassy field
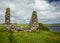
(29,37)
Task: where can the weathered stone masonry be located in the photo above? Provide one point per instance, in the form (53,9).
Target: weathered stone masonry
(7,16)
(34,21)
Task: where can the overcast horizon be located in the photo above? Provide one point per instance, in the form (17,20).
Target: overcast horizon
(48,11)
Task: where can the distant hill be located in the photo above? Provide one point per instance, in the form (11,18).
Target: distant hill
(57,24)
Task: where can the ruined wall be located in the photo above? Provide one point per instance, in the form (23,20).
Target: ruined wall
(7,16)
(34,21)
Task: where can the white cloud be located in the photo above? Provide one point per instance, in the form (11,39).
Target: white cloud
(11,6)
(21,10)
(47,11)
(41,5)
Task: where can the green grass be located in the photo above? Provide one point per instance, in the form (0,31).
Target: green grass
(21,24)
(29,37)
(2,27)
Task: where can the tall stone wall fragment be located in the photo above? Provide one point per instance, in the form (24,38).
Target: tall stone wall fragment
(34,21)
(7,16)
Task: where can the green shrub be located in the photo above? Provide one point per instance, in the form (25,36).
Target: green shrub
(42,27)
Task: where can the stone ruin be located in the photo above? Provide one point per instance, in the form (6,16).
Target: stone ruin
(7,16)
(34,21)
(32,26)
(8,25)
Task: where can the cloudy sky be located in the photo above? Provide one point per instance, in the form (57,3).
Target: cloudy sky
(48,11)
